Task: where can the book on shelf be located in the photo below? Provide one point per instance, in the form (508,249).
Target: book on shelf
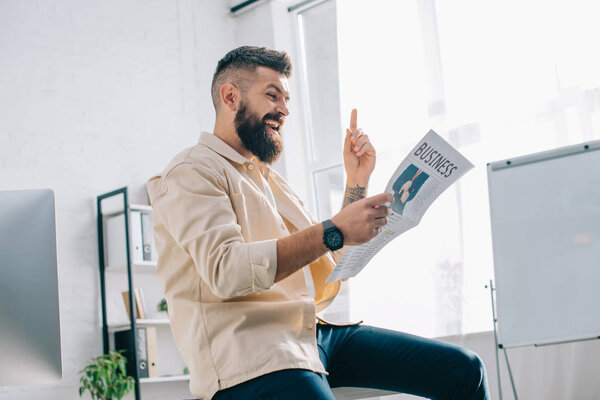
(138,301)
(147,366)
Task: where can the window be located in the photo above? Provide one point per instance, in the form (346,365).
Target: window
(492,92)
(319,69)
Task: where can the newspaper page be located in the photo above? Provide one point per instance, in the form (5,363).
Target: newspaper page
(431,167)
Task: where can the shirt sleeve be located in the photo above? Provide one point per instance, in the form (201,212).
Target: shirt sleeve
(337,255)
(197,211)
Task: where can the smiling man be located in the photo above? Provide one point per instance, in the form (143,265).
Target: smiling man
(243,263)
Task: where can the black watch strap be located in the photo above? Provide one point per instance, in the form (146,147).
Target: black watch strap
(332,236)
(327,224)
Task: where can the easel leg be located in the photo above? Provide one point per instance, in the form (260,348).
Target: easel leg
(496,341)
(512,381)
(499,346)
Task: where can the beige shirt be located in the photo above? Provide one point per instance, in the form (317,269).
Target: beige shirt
(216,235)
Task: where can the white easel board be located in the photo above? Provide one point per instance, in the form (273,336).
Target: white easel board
(545,218)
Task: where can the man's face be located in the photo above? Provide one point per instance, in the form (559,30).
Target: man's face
(261,115)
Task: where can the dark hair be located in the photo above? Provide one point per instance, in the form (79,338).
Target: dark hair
(245,59)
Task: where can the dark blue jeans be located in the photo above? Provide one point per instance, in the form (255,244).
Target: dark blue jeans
(368,357)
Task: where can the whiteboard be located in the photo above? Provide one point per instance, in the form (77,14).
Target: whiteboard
(545,219)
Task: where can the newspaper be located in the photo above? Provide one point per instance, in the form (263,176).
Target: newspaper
(429,169)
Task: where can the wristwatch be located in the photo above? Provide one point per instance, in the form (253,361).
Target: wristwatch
(332,236)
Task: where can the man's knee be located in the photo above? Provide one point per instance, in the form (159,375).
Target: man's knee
(470,374)
(475,368)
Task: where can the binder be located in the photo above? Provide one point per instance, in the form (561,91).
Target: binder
(115,239)
(136,237)
(147,366)
(151,352)
(147,236)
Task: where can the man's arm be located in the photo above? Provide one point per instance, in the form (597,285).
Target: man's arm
(298,250)
(360,217)
(357,222)
(353,193)
(306,246)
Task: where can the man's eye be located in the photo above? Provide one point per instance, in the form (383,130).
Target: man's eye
(272,96)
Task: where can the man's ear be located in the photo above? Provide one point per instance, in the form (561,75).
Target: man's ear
(230,96)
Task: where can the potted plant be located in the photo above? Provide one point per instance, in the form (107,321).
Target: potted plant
(105,377)
(162,305)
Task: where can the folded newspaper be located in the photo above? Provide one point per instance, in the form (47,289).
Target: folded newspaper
(429,169)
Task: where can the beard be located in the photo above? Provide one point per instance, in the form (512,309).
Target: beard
(252,131)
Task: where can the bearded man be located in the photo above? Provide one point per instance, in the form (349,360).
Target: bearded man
(243,263)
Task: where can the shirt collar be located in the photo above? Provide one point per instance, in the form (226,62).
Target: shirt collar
(265,170)
(219,146)
(214,143)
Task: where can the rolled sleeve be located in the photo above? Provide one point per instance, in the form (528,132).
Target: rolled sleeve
(263,259)
(197,211)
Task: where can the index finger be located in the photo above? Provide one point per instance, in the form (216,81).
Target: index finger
(379,199)
(353,120)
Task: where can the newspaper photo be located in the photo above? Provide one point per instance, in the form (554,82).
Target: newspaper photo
(431,167)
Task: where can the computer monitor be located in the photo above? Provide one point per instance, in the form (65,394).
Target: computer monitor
(30,351)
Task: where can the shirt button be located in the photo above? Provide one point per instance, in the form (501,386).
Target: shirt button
(310,325)
(250,166)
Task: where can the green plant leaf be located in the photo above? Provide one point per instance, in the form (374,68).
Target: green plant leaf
(105,377)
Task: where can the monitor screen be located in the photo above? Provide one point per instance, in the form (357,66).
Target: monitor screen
(30,351)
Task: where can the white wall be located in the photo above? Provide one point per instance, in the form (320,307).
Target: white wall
(96,95)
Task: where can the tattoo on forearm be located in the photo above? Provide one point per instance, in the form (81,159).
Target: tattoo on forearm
(353,194)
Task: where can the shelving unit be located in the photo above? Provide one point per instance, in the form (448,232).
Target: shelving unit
(142,266)
(161,379)
(114,207)
(140,323)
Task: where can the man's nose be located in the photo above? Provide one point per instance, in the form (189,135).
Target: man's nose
(282,109)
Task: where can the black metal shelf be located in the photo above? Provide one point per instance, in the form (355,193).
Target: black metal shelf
(102,265)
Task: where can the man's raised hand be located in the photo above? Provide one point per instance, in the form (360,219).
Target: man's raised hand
(359,154)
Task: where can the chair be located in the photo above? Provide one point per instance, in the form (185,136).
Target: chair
(351,393)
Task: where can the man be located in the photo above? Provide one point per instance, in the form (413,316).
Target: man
(244,264)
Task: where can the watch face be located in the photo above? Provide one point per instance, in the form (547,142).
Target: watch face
(334,239)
